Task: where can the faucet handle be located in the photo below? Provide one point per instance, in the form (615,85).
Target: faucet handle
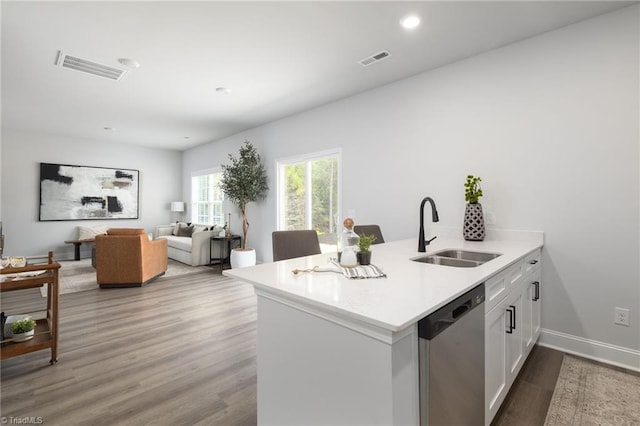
(429,241)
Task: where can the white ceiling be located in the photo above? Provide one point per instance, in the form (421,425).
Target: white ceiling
(278,58)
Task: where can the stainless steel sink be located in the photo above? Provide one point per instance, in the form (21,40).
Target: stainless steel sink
(457,258)
(477,256)
(447,261)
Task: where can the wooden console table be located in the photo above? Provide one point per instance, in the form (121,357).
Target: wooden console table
(46,332)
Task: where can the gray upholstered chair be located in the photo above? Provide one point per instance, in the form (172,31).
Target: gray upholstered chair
(370,230)
(290,244)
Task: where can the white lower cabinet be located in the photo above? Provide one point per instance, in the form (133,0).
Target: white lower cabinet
(531,314)
(512,326)
(495,382)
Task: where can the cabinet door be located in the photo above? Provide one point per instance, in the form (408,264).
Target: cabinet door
(531,314)
(528,294)
(515,337)
(495,360)
(537,305)
(512,326)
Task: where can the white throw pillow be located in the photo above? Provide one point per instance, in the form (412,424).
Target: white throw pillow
(89,233)
(199,228)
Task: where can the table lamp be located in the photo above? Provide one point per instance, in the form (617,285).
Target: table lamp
(177,207)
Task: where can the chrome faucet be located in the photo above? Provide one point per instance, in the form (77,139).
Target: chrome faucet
(422,244)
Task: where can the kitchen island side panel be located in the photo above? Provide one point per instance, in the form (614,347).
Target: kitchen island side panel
(313,371)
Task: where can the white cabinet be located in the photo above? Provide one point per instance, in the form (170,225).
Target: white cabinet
(531,319)
(512,326)
(495,384)
(531,314)
(504,349)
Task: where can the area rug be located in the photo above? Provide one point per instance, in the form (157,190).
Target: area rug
(79,275)
(587,394)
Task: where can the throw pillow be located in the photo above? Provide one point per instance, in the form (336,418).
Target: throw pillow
(199,228)
(89,233)
(176,227)
(185,230)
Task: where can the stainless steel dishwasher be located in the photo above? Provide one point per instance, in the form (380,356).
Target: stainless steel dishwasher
(451,353)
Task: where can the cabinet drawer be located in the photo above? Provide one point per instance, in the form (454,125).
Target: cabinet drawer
(532,261)
(498,286)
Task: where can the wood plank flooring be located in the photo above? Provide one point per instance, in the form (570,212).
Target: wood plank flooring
(180,351)
(528,400)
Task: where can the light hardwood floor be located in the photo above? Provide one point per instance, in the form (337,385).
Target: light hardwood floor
(180,351)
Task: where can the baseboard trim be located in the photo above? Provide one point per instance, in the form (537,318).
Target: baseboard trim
(592,349)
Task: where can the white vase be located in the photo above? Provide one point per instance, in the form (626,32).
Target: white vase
(243,258)
(22,337)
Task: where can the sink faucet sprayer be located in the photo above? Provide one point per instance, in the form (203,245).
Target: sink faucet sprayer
(434,217)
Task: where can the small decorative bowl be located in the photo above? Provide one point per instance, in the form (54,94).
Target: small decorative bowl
(18,262)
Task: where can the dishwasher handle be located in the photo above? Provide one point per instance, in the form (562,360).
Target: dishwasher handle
(460,310)
(435,323)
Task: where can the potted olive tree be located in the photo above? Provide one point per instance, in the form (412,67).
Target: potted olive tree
(473,229)
(23,329)
(243,181)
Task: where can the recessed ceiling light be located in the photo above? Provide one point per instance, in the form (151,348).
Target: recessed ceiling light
(223,90)
(131,63)
(410,22)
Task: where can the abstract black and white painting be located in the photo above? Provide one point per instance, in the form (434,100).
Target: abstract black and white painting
(81,192)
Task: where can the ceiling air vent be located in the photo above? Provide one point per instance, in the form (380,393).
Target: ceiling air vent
(375,58)
(79,64)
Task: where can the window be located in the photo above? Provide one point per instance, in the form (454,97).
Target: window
(308,194)
(207,198)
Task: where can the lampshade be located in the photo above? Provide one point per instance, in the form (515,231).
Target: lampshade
(177,206)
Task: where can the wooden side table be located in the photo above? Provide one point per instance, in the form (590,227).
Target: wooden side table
(46,332)
(76,246)
(230,243)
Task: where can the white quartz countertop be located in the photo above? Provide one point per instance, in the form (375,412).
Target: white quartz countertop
(411,290)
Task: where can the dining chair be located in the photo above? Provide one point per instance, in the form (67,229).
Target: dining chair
(298,243)
(370,230)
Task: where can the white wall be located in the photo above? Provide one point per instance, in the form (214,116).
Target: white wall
(160,183)
(551,126)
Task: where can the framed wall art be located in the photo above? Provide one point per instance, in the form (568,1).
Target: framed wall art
(70,192)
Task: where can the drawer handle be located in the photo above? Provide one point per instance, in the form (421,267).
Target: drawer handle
(533,262)
(514,316)
(536,295)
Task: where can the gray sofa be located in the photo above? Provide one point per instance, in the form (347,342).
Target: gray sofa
(187,247)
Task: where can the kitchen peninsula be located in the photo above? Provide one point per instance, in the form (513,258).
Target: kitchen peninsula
(333,350)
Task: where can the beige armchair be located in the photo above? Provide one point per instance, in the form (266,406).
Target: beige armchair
(127,258)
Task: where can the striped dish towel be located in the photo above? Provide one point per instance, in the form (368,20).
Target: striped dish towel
(360,271)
